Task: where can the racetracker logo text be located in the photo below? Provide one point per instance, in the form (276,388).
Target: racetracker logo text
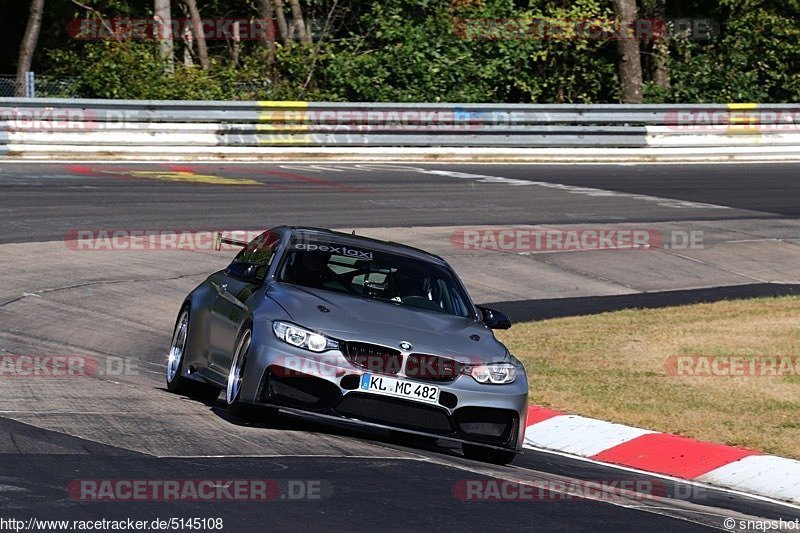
(139,240)
(252,490)
(522,240)
(731,366)
(179,29)
(48,119)
(742,121)
(64,366)
(593,29)
(332,366)
(615,490)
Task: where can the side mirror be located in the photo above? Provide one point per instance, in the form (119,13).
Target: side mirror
(243,271)
(494,319)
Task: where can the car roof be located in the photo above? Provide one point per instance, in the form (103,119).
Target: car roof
(357,240)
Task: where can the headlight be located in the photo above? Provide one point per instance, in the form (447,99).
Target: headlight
(303,338)
(495,373)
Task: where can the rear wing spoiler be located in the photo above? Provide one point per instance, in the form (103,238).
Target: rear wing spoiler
(219,240)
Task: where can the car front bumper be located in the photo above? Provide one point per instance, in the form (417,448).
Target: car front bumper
(329,384)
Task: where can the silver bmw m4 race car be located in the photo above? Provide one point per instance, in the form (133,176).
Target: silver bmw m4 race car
(352,328)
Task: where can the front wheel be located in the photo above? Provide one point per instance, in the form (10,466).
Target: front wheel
(233,392)
(176,382)
(487,455)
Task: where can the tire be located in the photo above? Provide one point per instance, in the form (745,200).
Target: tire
(233,393)
(176,382)
(488,455)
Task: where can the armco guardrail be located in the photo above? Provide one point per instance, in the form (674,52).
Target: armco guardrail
(43,128)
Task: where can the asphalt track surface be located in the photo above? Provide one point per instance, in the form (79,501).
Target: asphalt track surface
(53,432)
(43,202)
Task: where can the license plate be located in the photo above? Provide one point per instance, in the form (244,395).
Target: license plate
(399,388)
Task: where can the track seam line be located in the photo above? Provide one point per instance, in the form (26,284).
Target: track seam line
(39,292)
(714,265)
(585,274)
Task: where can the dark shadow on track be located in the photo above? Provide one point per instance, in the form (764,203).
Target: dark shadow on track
(340,428)
(44,441)
(344,494)
(524,310)
(309,423)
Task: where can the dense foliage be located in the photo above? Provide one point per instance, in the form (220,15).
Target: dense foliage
(426,50)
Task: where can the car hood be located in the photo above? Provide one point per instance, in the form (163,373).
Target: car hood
(353,318)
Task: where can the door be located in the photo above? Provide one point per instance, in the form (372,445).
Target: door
(235,287)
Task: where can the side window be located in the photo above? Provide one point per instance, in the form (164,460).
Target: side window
(260,252)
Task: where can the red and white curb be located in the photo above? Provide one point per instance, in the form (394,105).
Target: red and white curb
(739,469)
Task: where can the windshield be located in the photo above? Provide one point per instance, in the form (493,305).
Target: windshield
(391,278)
